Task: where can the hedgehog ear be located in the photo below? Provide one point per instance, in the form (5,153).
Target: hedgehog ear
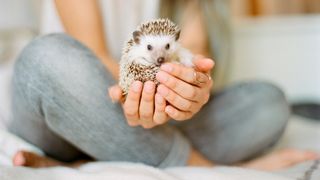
(177,35)
(136,36)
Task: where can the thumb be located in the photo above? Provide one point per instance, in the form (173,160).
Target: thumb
(203,64)
(115,93)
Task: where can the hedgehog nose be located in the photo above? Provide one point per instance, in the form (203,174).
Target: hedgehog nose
(160,60)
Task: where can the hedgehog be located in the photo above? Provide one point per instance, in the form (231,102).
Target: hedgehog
(153,43)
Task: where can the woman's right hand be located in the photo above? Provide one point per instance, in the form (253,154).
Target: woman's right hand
(141,106)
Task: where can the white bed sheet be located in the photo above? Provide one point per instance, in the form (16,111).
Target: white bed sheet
(10,144)
(129,171)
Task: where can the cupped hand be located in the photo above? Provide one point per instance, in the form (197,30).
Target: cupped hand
(142,106)
(186,89)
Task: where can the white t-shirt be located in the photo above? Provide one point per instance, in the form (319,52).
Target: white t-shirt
(120,18)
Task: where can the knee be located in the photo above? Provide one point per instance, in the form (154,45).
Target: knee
(262,112)
(266,99)
(49,51)
(57,57)
(268,107)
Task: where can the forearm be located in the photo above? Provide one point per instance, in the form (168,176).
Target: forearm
(194,35)
(83,21)
(111,64)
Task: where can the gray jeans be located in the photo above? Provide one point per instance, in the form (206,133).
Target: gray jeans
(60,104)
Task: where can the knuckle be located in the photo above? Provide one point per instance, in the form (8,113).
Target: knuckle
(132,97)
(186,105)
(160,104)
(172,83)
(147,98)
(171,96)
(130,112)
(176,100)
(191,94)
(160,109)
(145,115)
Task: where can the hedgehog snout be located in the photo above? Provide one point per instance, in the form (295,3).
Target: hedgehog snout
(160,60)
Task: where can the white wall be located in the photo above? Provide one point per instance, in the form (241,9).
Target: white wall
(19,19)
(284,50)
(19,14)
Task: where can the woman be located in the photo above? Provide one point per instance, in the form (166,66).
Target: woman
(60,102)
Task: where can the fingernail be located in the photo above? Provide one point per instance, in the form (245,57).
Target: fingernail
(136,86)
(163,90)
(210,62)
(162,76)
(148,87)
(167,67)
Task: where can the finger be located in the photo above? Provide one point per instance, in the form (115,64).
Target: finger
(186,74)
(115,93)
(180,87)
(147,105)
(131,105)
(203,64)
(176,114)
(202,78)
(160,116)
(175,100)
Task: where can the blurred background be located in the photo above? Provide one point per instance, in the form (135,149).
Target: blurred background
(275,40)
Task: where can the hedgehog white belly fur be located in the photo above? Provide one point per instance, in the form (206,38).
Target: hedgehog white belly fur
(152,44)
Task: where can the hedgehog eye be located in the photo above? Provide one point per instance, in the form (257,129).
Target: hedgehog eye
(149,47)
(167,46)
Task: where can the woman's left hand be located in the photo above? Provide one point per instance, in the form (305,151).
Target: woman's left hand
(186,89)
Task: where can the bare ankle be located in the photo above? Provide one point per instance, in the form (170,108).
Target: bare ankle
(197,159)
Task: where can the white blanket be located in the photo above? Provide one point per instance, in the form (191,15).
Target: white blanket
(10,144)
(97,171)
